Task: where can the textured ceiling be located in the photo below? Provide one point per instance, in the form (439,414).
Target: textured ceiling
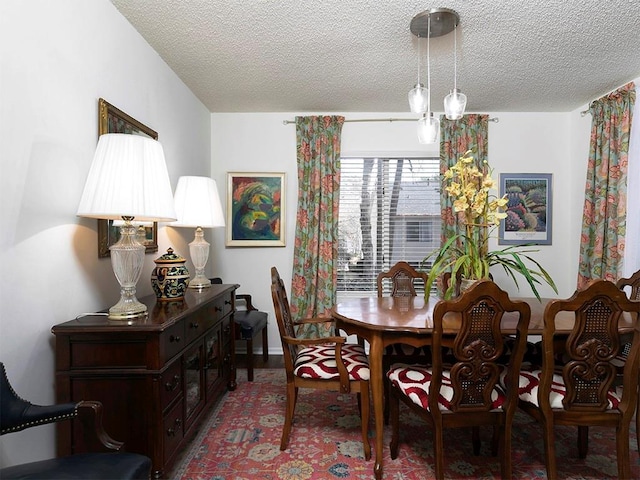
(360,56)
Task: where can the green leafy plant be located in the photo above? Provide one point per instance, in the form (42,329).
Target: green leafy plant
(466,255)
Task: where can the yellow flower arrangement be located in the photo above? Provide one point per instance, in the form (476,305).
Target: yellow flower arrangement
(466,255)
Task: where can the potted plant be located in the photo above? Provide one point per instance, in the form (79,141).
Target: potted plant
(466,255)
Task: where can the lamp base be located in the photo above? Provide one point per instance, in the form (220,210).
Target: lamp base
(199,282)
(127,311)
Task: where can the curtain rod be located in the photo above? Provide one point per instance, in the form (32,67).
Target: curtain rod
(287,122)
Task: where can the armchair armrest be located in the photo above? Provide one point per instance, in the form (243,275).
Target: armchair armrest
(95,437)
(246,298)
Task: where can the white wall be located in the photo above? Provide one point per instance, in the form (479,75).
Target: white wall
(554,143)
(56,60)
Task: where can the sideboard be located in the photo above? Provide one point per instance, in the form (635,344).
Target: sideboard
(156,376)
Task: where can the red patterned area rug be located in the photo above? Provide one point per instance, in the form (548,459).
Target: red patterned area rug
(241,440)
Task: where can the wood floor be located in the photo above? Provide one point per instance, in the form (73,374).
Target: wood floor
(275,361)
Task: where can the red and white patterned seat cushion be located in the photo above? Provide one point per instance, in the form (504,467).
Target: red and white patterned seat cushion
(414,381)
(530,381)
(319,362)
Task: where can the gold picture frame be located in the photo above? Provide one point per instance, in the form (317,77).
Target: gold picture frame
(114,120)
(256,209)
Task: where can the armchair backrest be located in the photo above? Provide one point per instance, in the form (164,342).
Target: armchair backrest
(633,283)
(402,277)
(474,318)
(591,346)
(283,316)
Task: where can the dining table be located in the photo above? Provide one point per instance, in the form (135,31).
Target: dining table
(383,321)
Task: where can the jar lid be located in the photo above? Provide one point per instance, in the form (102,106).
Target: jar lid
(169,257)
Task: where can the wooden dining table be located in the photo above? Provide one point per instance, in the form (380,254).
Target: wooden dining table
(409,320)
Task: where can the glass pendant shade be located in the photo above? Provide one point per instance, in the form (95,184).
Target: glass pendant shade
(428,128)
(128,179)
(454,104)
(419,99)
(198,205)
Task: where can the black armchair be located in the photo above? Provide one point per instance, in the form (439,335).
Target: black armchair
(249,322)
(17,414)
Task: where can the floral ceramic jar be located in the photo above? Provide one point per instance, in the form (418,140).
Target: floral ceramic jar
(170,278)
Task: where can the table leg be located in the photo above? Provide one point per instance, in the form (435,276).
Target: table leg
(377,393)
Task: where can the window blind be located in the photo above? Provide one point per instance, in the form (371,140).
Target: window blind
(389,211)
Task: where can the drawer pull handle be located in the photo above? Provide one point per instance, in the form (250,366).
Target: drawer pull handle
(174,338)
(218,309)
(170,431)
(171,386)
(227,329)
(195,325)
(227,302)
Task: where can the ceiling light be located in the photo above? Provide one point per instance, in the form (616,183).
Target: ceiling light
(435,23)
(456,101)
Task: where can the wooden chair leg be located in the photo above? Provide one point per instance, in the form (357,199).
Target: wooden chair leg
(475,440)
(622,450)
(290,407)
(438,445)
(549,450)
(364,418)
(265,345)
(250,359)
(638,424)
(583,441)
(394,418)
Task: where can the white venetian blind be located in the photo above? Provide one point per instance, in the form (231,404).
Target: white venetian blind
(389,211)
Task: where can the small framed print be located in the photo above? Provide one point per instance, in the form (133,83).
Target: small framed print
(528,209)
(255,209)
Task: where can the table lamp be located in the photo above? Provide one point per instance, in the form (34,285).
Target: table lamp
(198,205)
(128,180)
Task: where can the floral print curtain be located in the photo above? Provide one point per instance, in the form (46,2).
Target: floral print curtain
(456,137)
(314,279)
(602,241)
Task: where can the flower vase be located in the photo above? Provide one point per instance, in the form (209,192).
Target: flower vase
(466,284)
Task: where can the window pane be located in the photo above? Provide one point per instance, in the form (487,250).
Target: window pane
(389,211)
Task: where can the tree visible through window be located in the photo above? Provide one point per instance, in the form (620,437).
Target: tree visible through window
(389,211)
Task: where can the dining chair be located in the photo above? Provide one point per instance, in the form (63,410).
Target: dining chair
(324,363)
(582,392)
(631,285)
(467,393)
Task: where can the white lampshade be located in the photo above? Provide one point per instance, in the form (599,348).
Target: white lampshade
(428,128)
(128,178)
(197,203)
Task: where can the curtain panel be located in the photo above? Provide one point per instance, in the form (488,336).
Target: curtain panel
(456,137)
(314,278)
(602,241)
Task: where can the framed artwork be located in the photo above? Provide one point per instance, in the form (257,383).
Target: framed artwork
(113,120)
(255,209)
(528,208)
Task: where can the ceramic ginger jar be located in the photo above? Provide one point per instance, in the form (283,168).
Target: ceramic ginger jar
(170,278)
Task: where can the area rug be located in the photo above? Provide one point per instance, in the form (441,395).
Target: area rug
(240,440)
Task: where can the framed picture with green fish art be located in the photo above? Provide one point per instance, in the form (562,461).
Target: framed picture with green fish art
(255,209)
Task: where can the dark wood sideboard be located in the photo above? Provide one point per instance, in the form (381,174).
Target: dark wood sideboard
(156,377)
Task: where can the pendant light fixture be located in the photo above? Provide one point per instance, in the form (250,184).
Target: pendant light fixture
(431,23)
(456,101)
(418,101)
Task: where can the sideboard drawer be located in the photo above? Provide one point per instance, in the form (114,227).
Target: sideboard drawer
(170,384)
(172,430)
(173,340)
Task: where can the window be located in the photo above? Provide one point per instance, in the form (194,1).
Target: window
(389,211)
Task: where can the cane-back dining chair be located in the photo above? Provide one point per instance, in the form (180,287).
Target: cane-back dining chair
(326,363)
(582,392)
(467,393)
(631,286)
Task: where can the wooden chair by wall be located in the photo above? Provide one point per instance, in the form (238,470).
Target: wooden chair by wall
(631,286)
(467,393)
(326,363)
(583,392)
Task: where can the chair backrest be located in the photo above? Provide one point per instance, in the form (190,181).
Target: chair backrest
(402,277)
(283,317)
(477,347)
(593,342)
(633,282)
